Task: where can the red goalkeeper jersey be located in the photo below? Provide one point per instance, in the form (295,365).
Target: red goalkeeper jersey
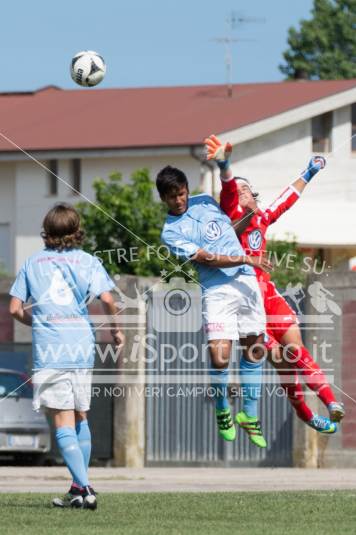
(253,239)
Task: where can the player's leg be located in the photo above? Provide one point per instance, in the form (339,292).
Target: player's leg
(81,380)
(220,351)
(251,365)
(84,435)
(290,383)
(219,318)
(251,326)
(67,441)
(313,375)
(68,445)
(282,323)
(53,392)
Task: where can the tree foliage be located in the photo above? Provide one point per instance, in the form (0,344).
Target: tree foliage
(123,225)
(289,263)
(324,47)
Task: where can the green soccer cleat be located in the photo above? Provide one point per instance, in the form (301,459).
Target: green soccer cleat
(252,426)
(226,426)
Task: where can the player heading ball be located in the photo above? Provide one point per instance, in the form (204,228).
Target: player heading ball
(197,230)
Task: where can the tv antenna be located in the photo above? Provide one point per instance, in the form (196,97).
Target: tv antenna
(232,21)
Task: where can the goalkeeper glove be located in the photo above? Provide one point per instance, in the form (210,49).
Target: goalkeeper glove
(218,152)
(316,163)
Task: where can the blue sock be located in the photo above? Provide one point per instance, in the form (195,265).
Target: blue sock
(219,380)
(84,440)
(69,447)
(251,377)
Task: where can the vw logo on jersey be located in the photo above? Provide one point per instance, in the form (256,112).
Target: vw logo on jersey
(255,240)
(213,231)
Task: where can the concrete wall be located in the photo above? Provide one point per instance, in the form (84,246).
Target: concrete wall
(339,337)
(333,325)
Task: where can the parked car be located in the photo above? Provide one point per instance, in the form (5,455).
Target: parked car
(23,432)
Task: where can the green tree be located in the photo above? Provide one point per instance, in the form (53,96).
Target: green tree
(124,227)
(324,47)
(288,262)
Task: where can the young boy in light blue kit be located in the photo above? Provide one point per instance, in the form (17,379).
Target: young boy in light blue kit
(59,280)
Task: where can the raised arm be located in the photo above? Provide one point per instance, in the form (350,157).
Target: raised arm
(229,198)
(292,193)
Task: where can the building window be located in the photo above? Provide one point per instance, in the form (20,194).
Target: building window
(75,176)
(52,180)
(321,132)
(353,126)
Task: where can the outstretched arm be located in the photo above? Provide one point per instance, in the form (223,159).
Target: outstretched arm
(315,165)
(291,194)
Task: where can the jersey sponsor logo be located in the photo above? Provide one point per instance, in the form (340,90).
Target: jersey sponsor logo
(213,231)
(214,327)
(255,239)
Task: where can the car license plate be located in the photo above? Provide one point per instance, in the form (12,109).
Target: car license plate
(26,441)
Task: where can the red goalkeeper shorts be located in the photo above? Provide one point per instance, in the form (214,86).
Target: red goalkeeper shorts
(280,315)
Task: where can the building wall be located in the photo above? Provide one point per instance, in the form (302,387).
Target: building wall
(273,161)
(25,184)
(270,161)
(7,209)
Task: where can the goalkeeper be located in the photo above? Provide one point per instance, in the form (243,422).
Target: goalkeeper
(251,223)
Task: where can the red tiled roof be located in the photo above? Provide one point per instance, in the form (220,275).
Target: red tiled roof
(55,119)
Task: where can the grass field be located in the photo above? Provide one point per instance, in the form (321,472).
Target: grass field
(265,513)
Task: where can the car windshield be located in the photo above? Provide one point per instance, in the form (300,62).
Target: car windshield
(12,385)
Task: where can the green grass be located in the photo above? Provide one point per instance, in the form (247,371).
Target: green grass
(264,513)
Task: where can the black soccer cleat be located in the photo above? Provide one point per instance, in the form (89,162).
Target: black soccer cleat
(89,498)
(73,498)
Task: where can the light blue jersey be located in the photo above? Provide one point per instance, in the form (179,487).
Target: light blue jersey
(205,226)
(58,284)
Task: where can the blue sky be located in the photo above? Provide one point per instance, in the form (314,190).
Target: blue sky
(144,42)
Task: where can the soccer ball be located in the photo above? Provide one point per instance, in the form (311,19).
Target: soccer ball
(88,68)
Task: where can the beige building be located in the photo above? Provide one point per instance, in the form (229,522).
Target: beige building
(275,128)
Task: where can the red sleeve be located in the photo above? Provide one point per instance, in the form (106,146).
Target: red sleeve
(282,204)
(229,200)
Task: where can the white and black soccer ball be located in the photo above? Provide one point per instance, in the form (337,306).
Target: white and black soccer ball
(88,68)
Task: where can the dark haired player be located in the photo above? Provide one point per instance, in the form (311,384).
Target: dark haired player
(196,229)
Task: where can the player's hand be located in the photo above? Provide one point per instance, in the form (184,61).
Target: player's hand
(218,152)
(316,163)
(118,337)
(260,262)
